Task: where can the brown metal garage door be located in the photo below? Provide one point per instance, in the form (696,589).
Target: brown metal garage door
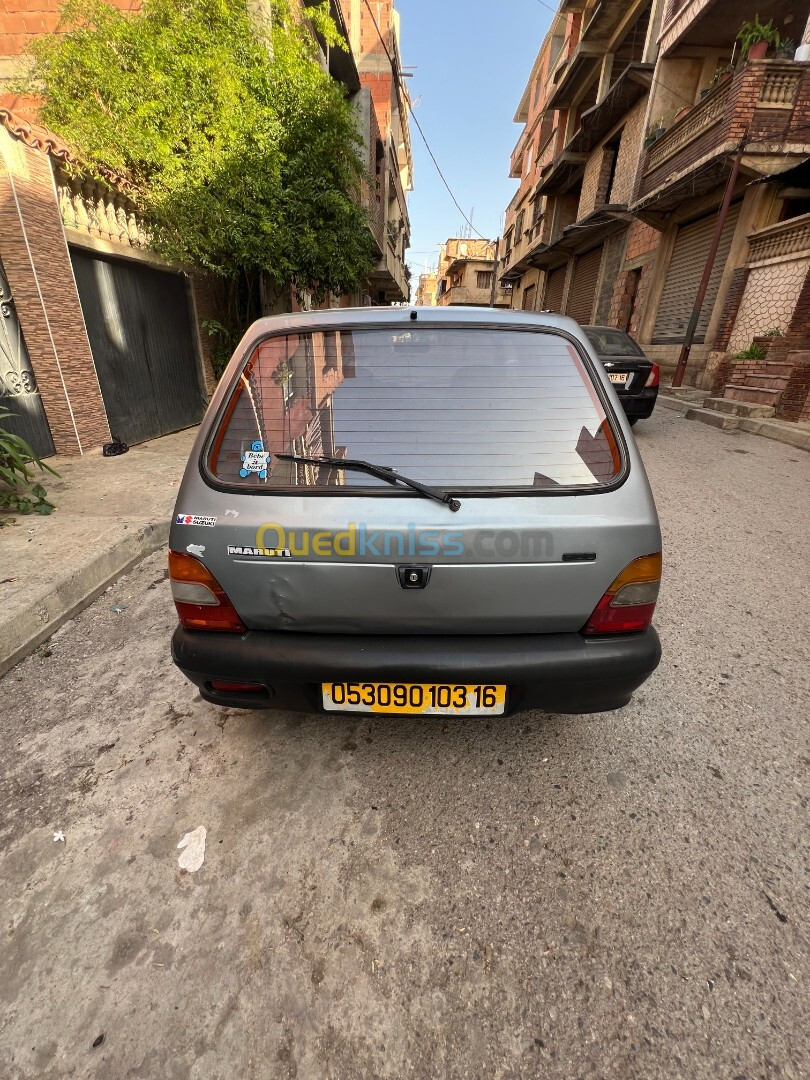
(583,286)
(683,277)
(555,284)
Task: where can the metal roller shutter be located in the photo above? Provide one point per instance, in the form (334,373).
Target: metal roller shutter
(583,286)
(555,284)
(683,277)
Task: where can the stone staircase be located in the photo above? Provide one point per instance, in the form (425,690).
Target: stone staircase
(754,392)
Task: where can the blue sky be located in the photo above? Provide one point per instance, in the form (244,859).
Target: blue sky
(472,59)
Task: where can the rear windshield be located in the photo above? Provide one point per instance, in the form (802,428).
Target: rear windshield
(609,342)
(459,408)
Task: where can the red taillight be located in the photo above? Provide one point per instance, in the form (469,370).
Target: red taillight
(629,602)
(654,378)
(201,602)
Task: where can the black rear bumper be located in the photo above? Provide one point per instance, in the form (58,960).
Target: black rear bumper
(639,406)
(562,673)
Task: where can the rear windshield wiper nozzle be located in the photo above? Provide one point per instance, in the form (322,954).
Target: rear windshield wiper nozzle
(381,472)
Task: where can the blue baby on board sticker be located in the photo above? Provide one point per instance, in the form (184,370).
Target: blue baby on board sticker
(255,461)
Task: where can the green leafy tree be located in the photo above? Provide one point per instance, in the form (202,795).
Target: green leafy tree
(242,151)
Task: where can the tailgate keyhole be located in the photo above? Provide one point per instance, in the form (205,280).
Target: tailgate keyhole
(413,577)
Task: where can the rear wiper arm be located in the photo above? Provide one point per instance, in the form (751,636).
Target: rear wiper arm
(381,472)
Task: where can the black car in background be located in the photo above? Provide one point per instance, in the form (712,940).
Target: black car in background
(633,375)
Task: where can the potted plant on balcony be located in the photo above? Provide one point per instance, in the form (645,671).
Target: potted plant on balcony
(654,132)
(755,37)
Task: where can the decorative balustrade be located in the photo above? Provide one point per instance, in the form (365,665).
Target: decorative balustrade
(779,87)
(90,206)
(785,240)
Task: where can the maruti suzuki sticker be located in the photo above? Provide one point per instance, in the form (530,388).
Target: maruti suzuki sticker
(195,519)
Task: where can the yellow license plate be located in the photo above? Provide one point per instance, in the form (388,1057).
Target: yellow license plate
(426,699)
(618,376)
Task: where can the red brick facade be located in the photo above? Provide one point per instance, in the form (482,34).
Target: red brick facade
(642,240)
(36,261)
(22,20)
(795,401)
(736,291)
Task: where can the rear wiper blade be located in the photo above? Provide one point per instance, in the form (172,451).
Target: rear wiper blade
(381,472)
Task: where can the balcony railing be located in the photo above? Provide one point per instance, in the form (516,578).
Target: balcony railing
(700,118)
(463,294)
(757,103)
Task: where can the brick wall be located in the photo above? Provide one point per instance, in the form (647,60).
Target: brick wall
(797,336)
(606,309)
(629,153)
(632,285)
(36,260)
(736,290)
(22,20)
(642,240)
(794,348)
(595,181)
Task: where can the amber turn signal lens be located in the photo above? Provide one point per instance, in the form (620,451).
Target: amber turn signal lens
(191,580)
(629,602)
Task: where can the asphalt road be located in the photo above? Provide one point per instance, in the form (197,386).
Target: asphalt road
(621,895)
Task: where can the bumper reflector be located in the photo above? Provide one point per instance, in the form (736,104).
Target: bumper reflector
(224,686)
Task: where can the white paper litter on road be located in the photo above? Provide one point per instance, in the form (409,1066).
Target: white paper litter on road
(194,854)
(59,837)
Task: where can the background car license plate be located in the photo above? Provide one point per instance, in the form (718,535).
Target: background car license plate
(429,699)
(618,376)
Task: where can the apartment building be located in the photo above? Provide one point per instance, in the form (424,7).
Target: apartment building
(568,229)
(708,104)
(466,271)
(426,289)
(632,119)
(384,110)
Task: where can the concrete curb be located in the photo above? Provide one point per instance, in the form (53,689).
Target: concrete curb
(47,613)
(779,431)
(678,404)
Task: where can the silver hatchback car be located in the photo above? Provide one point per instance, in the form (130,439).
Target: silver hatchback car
(420,511)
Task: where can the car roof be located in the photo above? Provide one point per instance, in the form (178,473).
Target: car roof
(359,317)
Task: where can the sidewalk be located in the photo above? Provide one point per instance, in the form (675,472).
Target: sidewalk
(688,400)
(110,512)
